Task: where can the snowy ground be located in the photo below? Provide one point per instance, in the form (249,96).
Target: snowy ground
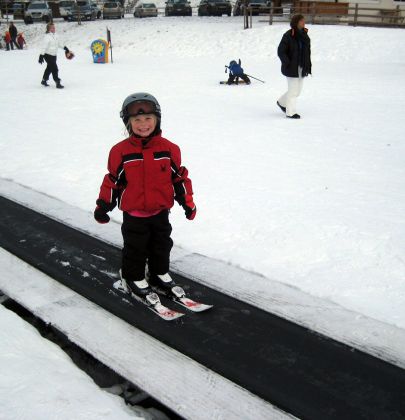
(39,381)
(318,203)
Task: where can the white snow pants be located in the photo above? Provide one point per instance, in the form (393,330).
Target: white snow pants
(289,99)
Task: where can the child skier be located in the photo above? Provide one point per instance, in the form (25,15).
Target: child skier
(145,176)
(7,40)
(21,40)
(236,72)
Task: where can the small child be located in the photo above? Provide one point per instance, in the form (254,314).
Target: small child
(7,40)
(236,72)
(21,40)
(145,176)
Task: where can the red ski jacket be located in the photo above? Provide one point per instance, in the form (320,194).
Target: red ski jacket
(145,177)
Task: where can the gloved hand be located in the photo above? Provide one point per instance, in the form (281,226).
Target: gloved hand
(101,216)
(190,211)
(41,59)
(188,205)
(66,49)
(100,213)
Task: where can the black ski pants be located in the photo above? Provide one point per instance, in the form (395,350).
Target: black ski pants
(146,239)
(51,68)
(232,78)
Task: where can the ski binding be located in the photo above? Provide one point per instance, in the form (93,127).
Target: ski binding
(151,301)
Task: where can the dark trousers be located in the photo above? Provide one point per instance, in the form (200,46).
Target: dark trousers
(51,68)
(146,239)
(14,42)
(232,78)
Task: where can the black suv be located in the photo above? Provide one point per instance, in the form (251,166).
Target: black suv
(214,8)
(178,8)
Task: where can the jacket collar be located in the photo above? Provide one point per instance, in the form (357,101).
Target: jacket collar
(144,142)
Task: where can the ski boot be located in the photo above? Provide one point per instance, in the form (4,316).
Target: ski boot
(44,83)
(58,85)
(283,108)
(141,289)
(165,284)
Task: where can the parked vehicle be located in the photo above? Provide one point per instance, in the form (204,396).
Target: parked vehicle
(214,8)
(98,8)
(178,8)
(113,9)
(18,11)
(65,7)
(84,10)
(38,11)
(146,10)
(257,6)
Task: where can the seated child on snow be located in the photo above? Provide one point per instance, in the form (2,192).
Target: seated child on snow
(236,72)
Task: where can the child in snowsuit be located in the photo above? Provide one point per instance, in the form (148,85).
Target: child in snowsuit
(21,41)
(7,40)
(144,178)
(236,72)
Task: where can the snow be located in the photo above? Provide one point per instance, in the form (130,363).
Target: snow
(316,204)
(39,381)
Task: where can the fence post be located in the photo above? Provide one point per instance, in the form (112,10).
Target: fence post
(251,14)
(356,13)
(313,13)
(245,18)
(271,16)
(397,15)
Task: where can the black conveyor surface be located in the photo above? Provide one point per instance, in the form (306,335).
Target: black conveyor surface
(306,374)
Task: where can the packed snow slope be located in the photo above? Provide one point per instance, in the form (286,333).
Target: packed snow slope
(317,203)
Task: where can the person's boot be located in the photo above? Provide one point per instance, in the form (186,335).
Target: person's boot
(58,85)
(140,288)
(165,283)
(44,82)
(294,117)
(283,108)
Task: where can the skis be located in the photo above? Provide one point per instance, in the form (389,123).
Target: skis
(178,295)
(224,82)
(151,301)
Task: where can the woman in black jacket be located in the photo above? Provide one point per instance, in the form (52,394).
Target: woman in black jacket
(294,52)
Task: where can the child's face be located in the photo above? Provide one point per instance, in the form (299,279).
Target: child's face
(143,125)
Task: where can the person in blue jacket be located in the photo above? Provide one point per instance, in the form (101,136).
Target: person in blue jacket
(236,72)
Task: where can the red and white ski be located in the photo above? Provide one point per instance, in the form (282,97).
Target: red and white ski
(152,302)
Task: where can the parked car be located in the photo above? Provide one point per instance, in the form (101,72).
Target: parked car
(98,8)
(84,10)
(113,9)
(38,11)
(146,10)
(178,8)
(214,8)
(65,7)
(257,6)
(18,11)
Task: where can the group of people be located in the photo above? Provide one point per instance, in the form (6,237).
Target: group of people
(145,173)
(294,52)
(14,39)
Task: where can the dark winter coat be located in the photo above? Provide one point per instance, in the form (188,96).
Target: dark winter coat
(295,50)
(145,177)
(13,32)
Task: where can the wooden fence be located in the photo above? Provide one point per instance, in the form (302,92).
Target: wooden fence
(333,14)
